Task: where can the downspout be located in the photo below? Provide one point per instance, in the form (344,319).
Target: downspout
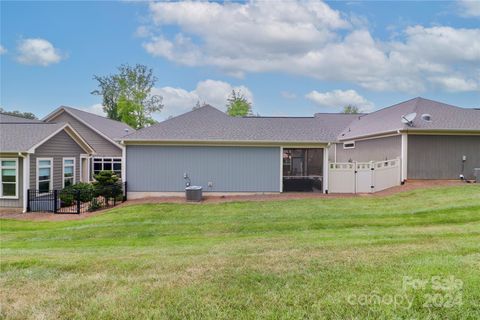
(404,156)
(325,168)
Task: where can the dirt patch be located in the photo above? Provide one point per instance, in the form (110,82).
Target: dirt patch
(410,185)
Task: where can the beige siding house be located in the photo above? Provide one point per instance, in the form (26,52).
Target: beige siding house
(102,135)
(37,155)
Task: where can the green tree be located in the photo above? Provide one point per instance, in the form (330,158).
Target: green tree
(127,95)
(16,113)
(351,109)
(238,105)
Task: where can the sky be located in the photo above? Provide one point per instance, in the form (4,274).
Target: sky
(288,58)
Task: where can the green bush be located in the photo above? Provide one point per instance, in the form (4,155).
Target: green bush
(94,205)
(107,185)
(69,194)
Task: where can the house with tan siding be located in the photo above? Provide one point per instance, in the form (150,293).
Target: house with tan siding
(38,155)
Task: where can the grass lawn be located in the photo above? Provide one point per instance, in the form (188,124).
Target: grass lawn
(354,258)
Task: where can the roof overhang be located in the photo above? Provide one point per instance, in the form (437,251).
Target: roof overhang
(414,131)
(259,143)
(72,133)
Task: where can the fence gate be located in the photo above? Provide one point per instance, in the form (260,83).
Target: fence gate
(363,177)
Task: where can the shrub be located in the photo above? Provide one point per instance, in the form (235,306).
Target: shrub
(94,205)
(107,185)
(69,194)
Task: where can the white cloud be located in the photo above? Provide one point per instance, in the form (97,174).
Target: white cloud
(95,109)
(38,52)
(337,99)
(469,8)
(2,50)
(177,100)
(304,38)
(456,84)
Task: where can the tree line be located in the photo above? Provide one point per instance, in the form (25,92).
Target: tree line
(127,97)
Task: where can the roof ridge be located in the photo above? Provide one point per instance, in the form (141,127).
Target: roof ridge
(176,117)
(94,114)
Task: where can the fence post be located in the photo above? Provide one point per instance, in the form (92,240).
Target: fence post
(77,196)
(125,190)
(28,200)
(55,199)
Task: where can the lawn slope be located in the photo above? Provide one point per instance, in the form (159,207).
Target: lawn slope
(309,259)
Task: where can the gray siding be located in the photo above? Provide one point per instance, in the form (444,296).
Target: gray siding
(59,146)
(102,146)
(440,157)
(371,150)
(15,203)
(230,169)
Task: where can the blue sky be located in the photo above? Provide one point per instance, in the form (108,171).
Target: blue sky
(289,58)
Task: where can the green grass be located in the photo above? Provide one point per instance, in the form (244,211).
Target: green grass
(308,259)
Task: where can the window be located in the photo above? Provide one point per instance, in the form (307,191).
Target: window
(349,145)
(112,164)
(68,172)
(44,174)
(9,178)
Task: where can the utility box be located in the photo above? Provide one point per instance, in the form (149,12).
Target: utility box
(476,173)
(193,193)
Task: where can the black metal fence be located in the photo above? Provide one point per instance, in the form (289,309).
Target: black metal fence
(76,201)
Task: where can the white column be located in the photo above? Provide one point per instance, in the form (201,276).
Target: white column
(404,157)
(281,169)
(124,163)
(325,168)
(26,180)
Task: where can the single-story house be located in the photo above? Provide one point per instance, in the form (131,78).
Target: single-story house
(438,141)
(38,156)
(102,135)
(424,138)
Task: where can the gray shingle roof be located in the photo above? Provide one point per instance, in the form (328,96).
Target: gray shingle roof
(20,137)
(210,124)
(110,128)
(6,118)
(443,117)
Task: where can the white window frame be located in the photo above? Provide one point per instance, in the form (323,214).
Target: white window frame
(349,142)
(16,178)
(63,169)
(103,158)
(51,173)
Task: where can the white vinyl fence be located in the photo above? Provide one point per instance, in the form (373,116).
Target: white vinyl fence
(363,177)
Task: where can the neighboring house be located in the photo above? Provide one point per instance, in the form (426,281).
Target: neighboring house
(273,154)
(101,134)
(39,156)
(442,141)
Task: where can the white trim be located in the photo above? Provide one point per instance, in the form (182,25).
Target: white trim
(325,169)
(103,161)
(81,173)
(349,142)
(124,163)
(230,143)
(15,197)
(63,169)
(59,110)
(51,173)
(281,169)
(404,157)
(26,180)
